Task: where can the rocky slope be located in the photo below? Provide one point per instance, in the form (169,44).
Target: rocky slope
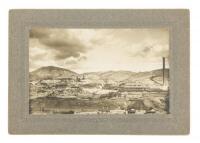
(51,72)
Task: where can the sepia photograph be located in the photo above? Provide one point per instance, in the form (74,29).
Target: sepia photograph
(99,71)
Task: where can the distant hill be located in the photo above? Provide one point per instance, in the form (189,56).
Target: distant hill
(154,77)
(51,72)
(110,75)
(148,77)
(148,74)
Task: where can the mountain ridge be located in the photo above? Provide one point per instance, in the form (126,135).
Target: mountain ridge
(57,72)
(49,72)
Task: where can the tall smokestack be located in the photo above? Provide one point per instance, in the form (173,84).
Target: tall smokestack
(163,70)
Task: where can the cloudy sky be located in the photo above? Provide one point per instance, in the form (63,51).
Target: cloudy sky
(89,50)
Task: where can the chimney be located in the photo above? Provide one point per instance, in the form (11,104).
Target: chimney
(163,70)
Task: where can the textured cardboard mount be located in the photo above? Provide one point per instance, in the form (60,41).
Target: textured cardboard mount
(177,122)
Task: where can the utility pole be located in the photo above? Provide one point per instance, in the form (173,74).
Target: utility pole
(163,70)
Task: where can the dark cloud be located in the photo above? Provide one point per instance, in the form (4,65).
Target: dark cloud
(147,49)
(37,56)
(153,51)
(39,33)
(59,42)
(74,61)
(64,48)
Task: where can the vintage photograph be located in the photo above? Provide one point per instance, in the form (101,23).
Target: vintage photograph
(99,71)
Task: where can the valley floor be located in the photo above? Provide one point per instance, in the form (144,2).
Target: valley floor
(72,96)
